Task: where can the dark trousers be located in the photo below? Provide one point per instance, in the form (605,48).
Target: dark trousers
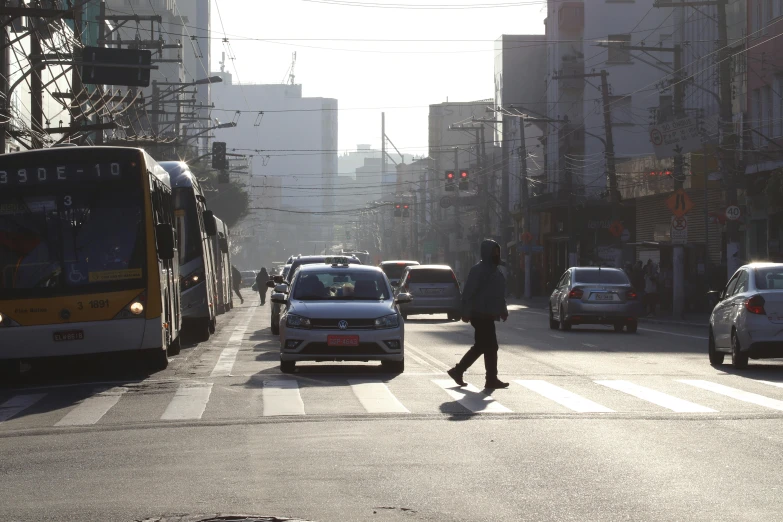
(485,343)
(236,291)
(262,295)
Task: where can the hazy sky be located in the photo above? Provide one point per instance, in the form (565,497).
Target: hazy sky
(368,74)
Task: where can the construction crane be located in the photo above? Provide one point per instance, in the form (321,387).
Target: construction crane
(290,72)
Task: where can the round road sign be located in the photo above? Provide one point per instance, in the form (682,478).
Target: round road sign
(656,137)
(733,212)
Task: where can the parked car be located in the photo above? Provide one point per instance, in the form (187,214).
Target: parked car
(747,322)
(248,277)
(594,295)
(434,288)
(394,269)
(341,312)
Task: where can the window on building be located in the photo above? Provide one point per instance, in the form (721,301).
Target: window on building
(622,110)
(618,53)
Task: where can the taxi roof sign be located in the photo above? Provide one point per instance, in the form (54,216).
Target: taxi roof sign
(336,260)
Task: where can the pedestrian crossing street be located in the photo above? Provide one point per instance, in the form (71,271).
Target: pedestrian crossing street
(295,396)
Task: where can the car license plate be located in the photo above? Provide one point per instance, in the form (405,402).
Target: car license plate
(604,297)
(432,291)
(342,340)
(69,335)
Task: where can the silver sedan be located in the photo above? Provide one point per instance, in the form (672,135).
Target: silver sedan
(594,295)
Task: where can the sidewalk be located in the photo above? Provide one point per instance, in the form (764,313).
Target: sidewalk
(698,320)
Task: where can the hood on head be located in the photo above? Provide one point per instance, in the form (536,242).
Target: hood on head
(487,246)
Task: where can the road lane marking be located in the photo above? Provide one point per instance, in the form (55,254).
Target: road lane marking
(520,329)
(734,393)
(281,397)
(376,397)
(471,398)
(92,409)
(564,397)
(590,345)
(656,397)
(228,356)
(673,333)
(189,402)
(556,336)
(438,365)
(17,404)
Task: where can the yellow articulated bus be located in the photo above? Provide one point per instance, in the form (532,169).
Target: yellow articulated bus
(88,258)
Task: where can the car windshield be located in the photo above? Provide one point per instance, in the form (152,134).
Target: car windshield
(769,278)
(432,275)
(340,285)
(608,276)
(393,270)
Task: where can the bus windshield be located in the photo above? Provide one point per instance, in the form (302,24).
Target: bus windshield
(188,226)
(71,237)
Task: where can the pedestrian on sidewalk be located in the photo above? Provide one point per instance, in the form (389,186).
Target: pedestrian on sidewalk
(236,282)
(483,303)
(650,292)
(261,279)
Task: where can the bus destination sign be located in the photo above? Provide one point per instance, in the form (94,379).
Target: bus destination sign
(61,174)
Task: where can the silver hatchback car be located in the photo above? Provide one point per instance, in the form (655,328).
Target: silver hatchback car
(435,291)
(594,295)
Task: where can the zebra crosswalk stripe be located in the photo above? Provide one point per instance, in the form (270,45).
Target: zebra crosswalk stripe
(91,409)
(189,402)
(656,397)
(471,398)
(376,397)
(734,393)
(281,397)
(17,404)
(564,397)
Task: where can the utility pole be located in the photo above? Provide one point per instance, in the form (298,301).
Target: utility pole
(524,197)
(101,36)
(36,89)
(678,254)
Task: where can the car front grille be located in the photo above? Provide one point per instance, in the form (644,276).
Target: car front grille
(332,324)
(325,349)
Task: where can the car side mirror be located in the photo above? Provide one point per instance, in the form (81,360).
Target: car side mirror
(164,234)
(281,289)
(279,298)
(210,225)
(403,298)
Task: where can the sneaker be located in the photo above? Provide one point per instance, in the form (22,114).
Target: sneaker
(457,376)
(495,384)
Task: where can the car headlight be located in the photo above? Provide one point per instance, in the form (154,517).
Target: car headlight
(192,279)
(389,321)
(297,321)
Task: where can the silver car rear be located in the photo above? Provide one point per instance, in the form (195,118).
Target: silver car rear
(434,288)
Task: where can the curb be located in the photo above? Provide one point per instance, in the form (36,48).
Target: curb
(675,323)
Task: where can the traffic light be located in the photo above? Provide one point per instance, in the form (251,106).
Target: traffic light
(450,178)
(398,210)
(219,159)
(463,180)
(406,210)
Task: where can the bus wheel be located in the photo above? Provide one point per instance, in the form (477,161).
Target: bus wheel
(175,346)
(212,326)
(158,360)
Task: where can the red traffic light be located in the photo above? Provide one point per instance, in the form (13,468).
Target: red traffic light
(406,206)
(463,174)
(397,205)
(449,174)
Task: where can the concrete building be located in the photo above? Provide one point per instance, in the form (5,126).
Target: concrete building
(295,140)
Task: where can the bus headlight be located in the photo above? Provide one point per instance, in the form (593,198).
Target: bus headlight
(133,309)
(136,308)
(192,279)
(7,322)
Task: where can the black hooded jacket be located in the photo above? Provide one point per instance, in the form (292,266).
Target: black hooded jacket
(261,278)
(485,289)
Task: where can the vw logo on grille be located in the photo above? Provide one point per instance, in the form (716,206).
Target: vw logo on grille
(343,324)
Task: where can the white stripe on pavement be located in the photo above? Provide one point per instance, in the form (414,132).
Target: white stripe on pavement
(228,356)
(656,397)
(471,398)
(281,397)
(734,393)
(564,397)
(17,404)
(91,409)
(376,397)
(189,402)
(703,338)
(772,383)
(435,363)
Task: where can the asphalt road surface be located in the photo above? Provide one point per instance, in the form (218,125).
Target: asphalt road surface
(596,425)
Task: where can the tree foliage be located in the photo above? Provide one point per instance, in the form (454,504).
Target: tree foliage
(229,201)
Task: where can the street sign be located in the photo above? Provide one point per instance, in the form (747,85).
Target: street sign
(446,201)
(616,229)
(679,233)
(530,249)
(106,66)
(679,203)
(733,212)
(675,137)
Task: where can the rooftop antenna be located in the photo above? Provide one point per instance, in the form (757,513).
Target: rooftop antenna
(223,62)
(293,64)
